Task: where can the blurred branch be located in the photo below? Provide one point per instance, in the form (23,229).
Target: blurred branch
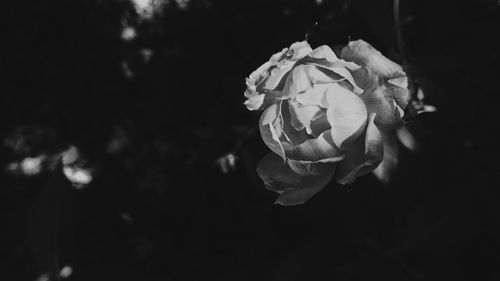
(399,35)
(412,88)
(310,31)
(248,133)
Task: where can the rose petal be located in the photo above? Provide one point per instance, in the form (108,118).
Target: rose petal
(366,79)
(346,113)
(274,77)
(324,52)
(294,188)
(401,81)
(267,126)
(318,75)
(298,168)
(319,150)
(314,96)
(301,116)
(298,50)
(297,81)
(337,70)
(302,195)
(320,124)
(365,55)
(399,91)
(290,134)
(276,174)
(304,76)
(257,101)
(340,68)
(383,80)
(262,74)
(381,101)
(258,73)
(348,64)
(278,56)
(362,156)
(254,101)
(308,169)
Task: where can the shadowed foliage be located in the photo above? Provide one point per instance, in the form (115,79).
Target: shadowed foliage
(151,114)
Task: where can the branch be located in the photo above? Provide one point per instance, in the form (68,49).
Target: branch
(401,48)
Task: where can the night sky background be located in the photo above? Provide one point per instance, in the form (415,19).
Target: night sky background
(152,98)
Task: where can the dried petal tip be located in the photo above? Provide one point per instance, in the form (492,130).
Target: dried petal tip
(298,50)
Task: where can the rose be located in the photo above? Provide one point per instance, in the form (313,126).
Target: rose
(323,116)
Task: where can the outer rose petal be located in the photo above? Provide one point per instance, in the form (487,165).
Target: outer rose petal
(258,73)
(308,169)
(254,100)
(293,188)
(346,114)
(384,82)
(363,156)
(274,77)
(379,101)
(365,55)
(257,101)
(262,73)
(268,125)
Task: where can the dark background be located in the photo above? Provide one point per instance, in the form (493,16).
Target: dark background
(159,206)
